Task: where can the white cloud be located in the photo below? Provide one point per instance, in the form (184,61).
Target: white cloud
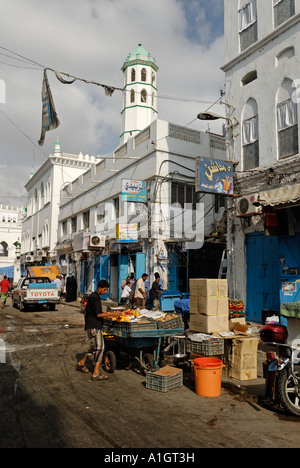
(91,39)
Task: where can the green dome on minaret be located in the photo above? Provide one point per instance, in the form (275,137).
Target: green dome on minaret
(140,55)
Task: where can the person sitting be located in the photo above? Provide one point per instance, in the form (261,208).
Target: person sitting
(127,293)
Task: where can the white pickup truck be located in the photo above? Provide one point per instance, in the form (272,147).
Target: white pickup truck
(35,291)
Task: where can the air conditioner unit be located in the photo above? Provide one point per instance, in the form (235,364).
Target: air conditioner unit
(97,241)
(30,258)
(41,253)
(245,206)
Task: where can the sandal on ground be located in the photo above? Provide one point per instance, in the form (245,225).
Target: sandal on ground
(99,377)
(82,369)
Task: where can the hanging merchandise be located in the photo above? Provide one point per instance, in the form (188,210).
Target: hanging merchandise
(50,120)
(236,308)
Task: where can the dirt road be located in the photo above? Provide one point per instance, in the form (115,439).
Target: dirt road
(45,402)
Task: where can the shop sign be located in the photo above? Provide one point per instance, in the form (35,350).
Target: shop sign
(127,233)
(81,241)
(134,191)
(214,176)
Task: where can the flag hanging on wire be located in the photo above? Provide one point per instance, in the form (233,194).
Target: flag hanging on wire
(50,120)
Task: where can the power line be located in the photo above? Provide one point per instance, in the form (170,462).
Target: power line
(22,56)
(23,133)
(18,66)
(26,59)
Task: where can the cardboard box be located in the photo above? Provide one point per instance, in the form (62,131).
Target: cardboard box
(208,323)
(208,287)
(209,305)
(244,358)
(234,321)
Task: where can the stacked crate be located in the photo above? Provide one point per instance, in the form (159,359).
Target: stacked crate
(208,305)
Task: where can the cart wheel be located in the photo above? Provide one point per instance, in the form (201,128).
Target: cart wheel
(110,362)
(148,362)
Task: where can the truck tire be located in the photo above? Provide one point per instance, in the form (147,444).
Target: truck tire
(23,307)
(51,306)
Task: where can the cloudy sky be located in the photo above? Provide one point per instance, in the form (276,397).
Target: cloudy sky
(91,39)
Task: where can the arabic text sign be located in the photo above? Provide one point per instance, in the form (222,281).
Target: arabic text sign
(214,176)
(127,233)
(134,190)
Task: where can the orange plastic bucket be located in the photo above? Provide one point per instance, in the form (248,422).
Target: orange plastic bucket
(208,376)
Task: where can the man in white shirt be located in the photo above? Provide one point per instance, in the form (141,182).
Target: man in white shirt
(140,292)
(58,283)
(127,293)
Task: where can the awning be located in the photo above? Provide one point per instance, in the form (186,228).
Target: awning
(280,196)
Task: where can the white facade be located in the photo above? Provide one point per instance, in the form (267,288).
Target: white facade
(39,229)
(262,43)
(10,235)
(163,155)
(139,92)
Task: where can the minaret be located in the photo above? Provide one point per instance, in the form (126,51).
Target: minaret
(57,147)
(139,92)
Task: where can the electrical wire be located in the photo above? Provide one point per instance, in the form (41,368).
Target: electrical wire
(26,60)
(18,66)
(23,133)
(22,56)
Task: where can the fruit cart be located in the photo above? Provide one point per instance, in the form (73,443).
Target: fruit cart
(140,340)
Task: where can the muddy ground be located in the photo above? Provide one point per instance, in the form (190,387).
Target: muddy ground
(46,403)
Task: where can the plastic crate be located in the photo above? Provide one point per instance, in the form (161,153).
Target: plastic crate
(209,347)
(173,323)
(142,325)
(110,340)
(165,379)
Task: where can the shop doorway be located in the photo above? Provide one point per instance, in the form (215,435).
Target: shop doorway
(114,266)
(263,275)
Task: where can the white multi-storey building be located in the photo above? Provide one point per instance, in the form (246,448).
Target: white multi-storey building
(39,228)
(262,43)
(10,236)
(163,156)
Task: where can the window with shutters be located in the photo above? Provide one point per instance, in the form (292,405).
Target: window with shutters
(248,24)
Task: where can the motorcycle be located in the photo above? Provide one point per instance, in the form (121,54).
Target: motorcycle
(84,301)
(281,370)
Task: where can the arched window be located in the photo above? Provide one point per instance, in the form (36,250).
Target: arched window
(42,192)
(143,75)
(285,55)
(153,79)
(132,95)
(247,23)
(132,75)
(287,120)
(283,10)
(144,96)
(251,76)
(35,201)
(250,136)
(3,249)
